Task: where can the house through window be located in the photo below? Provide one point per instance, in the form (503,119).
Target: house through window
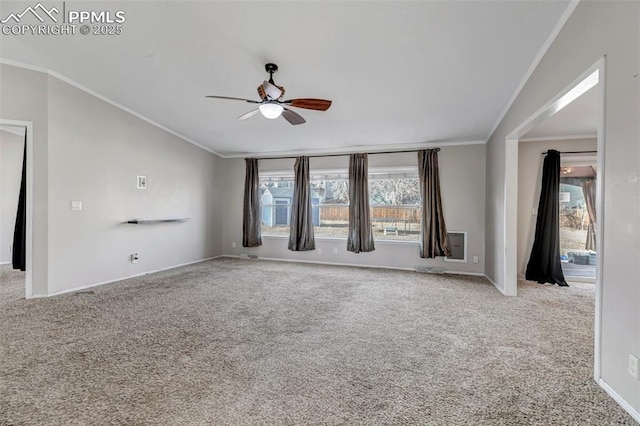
(276,194)
(329,200)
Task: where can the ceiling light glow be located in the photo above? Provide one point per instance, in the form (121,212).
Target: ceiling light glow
(271,111)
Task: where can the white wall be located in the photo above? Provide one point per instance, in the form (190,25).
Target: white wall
(530,160)
(462,170)
(24,98)
(93,153)
(11,153)
(96,151)
(594,29)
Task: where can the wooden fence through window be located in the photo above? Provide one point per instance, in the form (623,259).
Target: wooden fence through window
(340,213)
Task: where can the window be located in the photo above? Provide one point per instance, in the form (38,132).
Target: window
(394,198)
(329,199)
(331,210)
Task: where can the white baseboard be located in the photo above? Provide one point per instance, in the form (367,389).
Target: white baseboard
(5,263)
(37,296)
(620,400)
(355,265)
(575,280)
(84,287)
(472,274)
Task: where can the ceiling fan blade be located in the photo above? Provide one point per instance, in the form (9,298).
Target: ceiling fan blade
(309,103)
(261,93)
(293,117)
(234,99)
(249,114)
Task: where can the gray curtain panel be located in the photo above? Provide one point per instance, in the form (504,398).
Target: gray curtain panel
(301,232)
(434,240)
(360,237)
(589,190)
(251,234)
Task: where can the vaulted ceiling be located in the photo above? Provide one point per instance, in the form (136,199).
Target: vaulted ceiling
(399,73)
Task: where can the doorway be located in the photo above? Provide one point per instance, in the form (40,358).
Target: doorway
(592,78)
(12,139)
(578,222)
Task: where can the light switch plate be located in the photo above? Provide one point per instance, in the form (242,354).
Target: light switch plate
(76,205)
(142,182)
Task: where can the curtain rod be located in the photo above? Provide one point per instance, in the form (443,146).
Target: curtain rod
(341,155)
(571,152)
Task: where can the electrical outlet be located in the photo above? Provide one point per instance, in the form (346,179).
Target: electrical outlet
(76,205)
(475,259)
(319,250)
(335,250)
(134,257)
(633,367)
(233,244)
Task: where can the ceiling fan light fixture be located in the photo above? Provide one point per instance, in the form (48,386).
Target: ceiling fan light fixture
(271,104)
(270,110)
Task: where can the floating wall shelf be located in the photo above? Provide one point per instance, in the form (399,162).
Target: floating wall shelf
(152,221)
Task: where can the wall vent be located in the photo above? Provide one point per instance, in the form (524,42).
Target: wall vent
(248,256)
(430,269)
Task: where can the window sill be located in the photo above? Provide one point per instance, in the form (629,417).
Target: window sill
(390,242)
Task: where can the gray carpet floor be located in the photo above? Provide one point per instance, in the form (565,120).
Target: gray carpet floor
(233,341)
(11,284)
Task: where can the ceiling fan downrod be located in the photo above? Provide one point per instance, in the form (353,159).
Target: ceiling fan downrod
(271,68)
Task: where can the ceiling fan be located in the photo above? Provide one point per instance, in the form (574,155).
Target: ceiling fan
(272,104)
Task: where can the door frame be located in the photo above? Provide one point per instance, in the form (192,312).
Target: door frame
(579,86)
(28,125)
